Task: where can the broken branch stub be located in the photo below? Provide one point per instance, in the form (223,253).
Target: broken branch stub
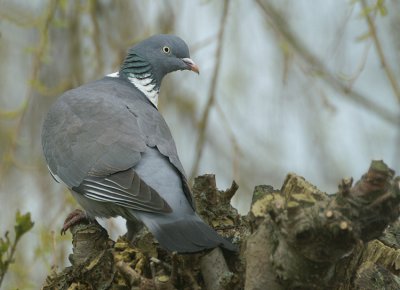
(309,233)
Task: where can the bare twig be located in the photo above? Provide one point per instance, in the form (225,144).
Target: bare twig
(215,271)
(131,275)
(381,55)
(211,95)
(237,151)
(93,7)
(159,262)
(44,26)
(316,66)
(351,78)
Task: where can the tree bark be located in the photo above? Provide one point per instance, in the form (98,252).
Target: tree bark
(293,238)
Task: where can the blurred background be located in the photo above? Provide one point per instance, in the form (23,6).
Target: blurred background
(310,87)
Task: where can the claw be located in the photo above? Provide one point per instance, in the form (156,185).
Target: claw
(75,217)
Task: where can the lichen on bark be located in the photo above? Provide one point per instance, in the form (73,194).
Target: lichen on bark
(297,237)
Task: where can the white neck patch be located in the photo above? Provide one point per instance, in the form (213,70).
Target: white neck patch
(144,84)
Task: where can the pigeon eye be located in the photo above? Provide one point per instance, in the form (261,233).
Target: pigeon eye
(166,49)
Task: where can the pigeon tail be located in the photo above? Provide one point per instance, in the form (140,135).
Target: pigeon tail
(188,234)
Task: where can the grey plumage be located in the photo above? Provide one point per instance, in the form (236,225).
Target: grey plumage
(109,144)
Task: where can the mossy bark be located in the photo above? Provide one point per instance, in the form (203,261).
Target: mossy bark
(297,237)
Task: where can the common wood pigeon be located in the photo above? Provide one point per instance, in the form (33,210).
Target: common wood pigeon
(110,145)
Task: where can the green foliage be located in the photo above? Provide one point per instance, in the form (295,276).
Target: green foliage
(4,246)
(378,7)
(23,224)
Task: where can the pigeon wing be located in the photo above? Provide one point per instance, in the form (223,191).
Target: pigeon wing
(92,141)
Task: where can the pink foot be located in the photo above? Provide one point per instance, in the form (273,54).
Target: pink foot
(75,217)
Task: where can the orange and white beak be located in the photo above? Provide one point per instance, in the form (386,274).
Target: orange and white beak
(191,65)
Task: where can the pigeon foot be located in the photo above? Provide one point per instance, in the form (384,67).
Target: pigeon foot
(75,217)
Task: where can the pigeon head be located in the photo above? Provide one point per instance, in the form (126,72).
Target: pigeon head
(157,56)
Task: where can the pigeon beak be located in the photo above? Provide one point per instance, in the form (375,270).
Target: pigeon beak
(191,65)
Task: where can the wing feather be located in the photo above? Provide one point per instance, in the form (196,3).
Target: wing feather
(126,189)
